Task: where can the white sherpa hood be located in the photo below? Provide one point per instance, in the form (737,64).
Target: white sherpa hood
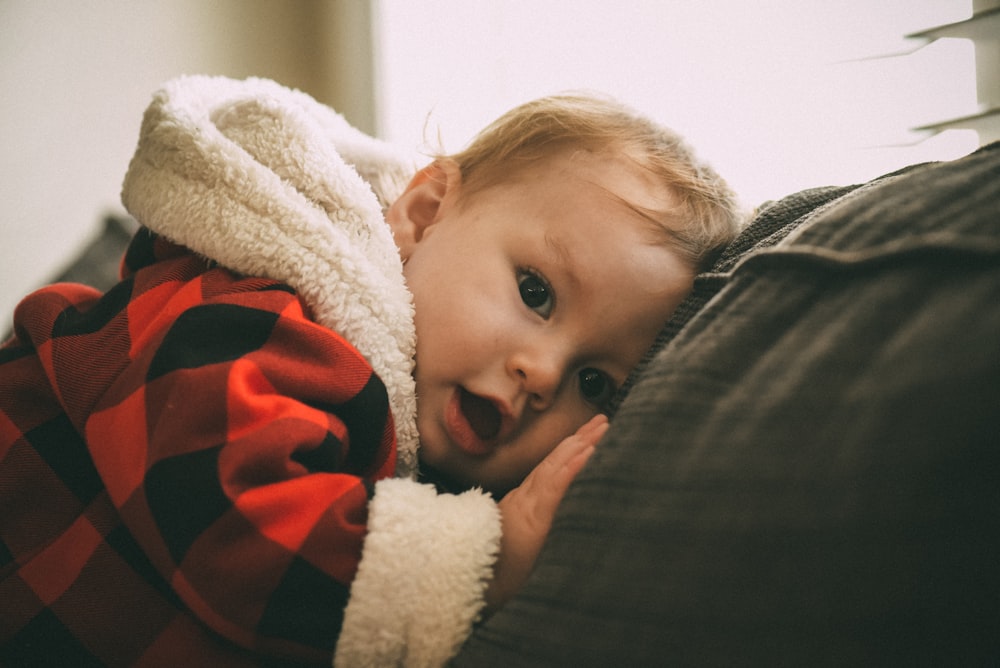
(268,182)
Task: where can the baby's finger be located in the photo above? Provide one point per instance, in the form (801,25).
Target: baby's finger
(553,475)
(594,429)
(575,463)
(586,436)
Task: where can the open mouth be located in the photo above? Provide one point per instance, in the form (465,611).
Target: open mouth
(481,414)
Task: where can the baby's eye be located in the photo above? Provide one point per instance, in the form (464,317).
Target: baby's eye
(535,293)
(596,387)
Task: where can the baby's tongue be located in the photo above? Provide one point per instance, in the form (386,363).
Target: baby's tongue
(483,416)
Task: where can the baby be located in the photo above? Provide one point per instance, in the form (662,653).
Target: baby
(228,455)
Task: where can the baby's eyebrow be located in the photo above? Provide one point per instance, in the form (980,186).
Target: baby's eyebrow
(563,257)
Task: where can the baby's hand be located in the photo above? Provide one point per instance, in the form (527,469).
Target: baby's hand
(527,510)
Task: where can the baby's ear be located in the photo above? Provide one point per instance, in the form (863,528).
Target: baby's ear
(421,204)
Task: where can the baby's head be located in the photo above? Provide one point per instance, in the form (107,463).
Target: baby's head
(543,260)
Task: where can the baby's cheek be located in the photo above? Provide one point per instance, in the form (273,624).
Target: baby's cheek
(576,414)
(561,427)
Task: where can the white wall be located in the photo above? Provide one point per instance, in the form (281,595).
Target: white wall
(759,88)
(75,76)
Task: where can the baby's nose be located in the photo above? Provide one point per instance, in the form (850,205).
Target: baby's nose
(540,374)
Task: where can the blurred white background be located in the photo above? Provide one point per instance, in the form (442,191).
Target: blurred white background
(772,93)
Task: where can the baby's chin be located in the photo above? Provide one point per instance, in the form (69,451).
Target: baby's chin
(450,483)
(445,482)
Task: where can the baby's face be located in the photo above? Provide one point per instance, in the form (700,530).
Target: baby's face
(534,299)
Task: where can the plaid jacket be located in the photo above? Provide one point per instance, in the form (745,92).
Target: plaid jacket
(185,467)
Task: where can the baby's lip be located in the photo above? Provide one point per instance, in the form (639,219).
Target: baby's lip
(477,423)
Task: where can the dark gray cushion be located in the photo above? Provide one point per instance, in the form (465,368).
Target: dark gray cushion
(809,471)
(98,262)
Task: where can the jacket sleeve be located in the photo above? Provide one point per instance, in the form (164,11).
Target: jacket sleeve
(240,442)
(419,588)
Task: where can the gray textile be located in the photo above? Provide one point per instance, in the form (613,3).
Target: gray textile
(809,472)
(98,263)
(773,222)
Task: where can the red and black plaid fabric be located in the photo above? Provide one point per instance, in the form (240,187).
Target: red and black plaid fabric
(185,466)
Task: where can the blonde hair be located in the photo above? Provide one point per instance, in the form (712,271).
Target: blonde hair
(708,217)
